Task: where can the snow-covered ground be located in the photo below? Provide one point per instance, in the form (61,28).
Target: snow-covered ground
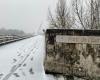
(23,60)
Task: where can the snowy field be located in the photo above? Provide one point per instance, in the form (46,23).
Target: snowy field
(23,60)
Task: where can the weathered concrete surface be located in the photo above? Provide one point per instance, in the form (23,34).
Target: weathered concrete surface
(72,59)
(64,69)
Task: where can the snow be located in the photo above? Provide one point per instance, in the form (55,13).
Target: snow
(23,60)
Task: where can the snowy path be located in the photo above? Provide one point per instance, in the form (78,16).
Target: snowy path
(23,60)
(29,53)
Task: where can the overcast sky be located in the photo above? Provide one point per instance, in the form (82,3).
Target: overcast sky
(24,15)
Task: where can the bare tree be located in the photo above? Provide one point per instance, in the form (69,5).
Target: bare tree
(94,14)
(88,16)
(62,18)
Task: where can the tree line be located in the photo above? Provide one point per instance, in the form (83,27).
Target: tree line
(84,14)
(13,32)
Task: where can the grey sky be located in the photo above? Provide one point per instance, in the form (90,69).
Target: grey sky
(24,15)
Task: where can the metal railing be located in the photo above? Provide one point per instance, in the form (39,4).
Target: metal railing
(10,39)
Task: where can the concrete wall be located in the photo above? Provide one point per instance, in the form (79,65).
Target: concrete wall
(80,60)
